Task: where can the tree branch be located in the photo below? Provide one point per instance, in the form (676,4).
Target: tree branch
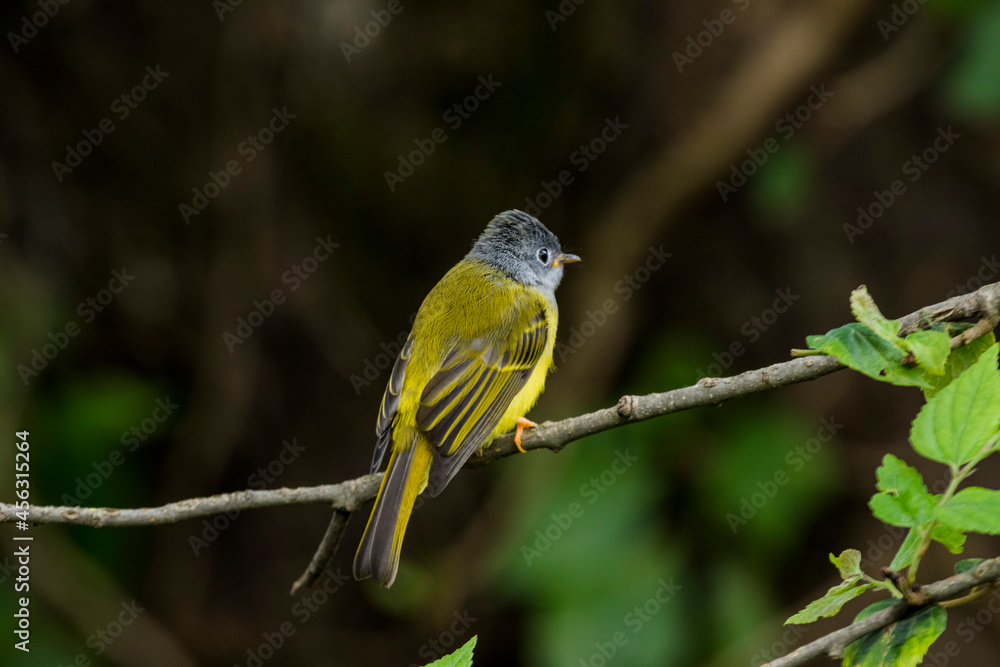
(346,496)
(834,643)
(351,494)
(982,305)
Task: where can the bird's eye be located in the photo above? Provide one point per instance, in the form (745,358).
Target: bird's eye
(543,256)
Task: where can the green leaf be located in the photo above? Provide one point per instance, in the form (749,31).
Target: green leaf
(460,658)
(860,348)
(866,312)
(952,538)
(907,550)
(956,423)
(967,564)
(902,644)
(930,349)
(889,509)
(848,563)
(829,604)
(903,500)
(974,509)
(959,360)
(894,476)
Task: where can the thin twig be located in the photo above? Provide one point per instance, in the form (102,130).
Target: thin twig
(912,594)
(834,643)
(325,553)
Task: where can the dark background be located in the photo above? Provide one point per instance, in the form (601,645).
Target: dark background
(710,309)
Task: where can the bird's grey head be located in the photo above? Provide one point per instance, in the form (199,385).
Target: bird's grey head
(523,248)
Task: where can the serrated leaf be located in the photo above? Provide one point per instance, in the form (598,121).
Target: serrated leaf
(903,500)
(890,509)
(956,423)
(907,550)
(930,349)
(959,360)
(848,563)
(894,476)
(967,564)
(952,538)
(460,658)
(867,313)
(973,509)
(902,644)
(829,604)
(860,348)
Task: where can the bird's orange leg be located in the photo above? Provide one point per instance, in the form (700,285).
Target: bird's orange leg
(522,424)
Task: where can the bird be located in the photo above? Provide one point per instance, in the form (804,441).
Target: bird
(473,364)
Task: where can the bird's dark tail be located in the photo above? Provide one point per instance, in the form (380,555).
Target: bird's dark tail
(378,553)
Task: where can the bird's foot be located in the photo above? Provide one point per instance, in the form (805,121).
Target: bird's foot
(522,423)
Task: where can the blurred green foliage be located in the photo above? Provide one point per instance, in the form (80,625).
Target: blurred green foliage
(786,184)
(972,88)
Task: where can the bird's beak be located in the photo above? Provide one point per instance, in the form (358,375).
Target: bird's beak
(565,258)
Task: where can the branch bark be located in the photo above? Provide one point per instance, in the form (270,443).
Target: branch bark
(982,305)
(834,643)
(346,496)
(351,494)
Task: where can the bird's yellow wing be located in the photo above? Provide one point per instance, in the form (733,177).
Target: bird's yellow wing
(465,399)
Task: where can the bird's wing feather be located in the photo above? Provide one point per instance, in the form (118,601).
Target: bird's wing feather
(390,404)
(465,399)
